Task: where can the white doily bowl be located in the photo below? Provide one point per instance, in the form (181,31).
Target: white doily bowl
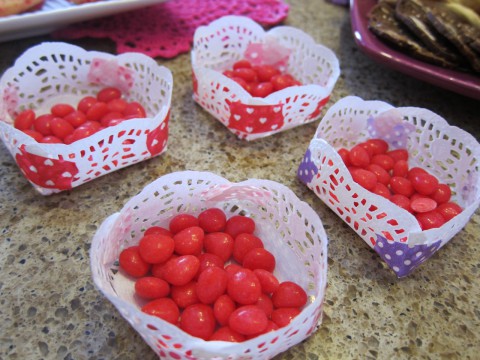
(449,153)
(219,45)
(289,228)
(62,73)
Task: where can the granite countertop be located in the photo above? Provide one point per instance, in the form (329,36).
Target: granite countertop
(51,310)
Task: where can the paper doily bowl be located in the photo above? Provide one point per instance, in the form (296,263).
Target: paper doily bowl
(219,45)
(447,152)
(289,228)
(53,73)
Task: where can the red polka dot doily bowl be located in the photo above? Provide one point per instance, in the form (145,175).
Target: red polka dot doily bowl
(288,227)
(249,113)
(59,73)
(404,235)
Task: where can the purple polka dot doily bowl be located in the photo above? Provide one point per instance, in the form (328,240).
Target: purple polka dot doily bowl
(447,152)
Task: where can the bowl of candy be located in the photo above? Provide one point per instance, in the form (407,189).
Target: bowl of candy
(402,178)
(256,82)
(68,116)
(209,269)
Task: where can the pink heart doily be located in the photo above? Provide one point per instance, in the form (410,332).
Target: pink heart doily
(166,30)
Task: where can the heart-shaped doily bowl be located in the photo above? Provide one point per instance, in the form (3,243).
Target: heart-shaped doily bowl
(54,73)
(289,228)
(447,152)
(218,46)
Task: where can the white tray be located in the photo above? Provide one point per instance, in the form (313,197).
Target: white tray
(55,14)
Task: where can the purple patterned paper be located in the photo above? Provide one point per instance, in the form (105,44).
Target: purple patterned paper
(401,257)
(390,127)
(307,169)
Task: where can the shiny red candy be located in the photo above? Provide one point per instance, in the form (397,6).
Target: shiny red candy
(220,244)
(289,294)
(449,210)
(359,157)
(212,220)
(185,295)
(259,258)
(365,178)
(227,334)
(132,263)
(189,241)
(150,287)
(156,248)
(181,270)
(259,81)
(268,281)
(386,173)
(198,320)
(430,219)
(245,242)
(164,308)
(211,283)
(238,224)
(284,316)
(243,287)
(248,320)
(209,260)
(61,110)
(108,94)
(24,120)
(223,308)
(190,276)
(423,204)
(181,222)
(67,124)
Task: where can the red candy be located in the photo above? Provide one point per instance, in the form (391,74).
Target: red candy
(244,287)
(259,81)
(220,244)
(387,174)
(24,120)
(181,270)
(191,278)
(164,308)
(238,225)
(212,220)
(245,242)
(211,283)
(358,156)
(189,241)
(156,248)
(198,320)
(133,264)
(150,287)
(259,258)
(68,124)
(182,221)
(449,210)
(248,320)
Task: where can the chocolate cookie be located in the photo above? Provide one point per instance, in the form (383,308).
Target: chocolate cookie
(382,22)
(413,14)
(457,29)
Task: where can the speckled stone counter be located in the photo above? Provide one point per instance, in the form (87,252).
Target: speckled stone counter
(50,309)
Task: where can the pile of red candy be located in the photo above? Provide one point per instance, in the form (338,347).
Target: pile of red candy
(386,173)
(260,81)
(66,124)
(212,277)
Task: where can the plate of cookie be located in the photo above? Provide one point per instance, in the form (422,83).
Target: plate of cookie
(25,18)
(422,42)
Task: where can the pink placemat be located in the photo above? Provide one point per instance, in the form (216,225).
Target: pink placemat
(166,30)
